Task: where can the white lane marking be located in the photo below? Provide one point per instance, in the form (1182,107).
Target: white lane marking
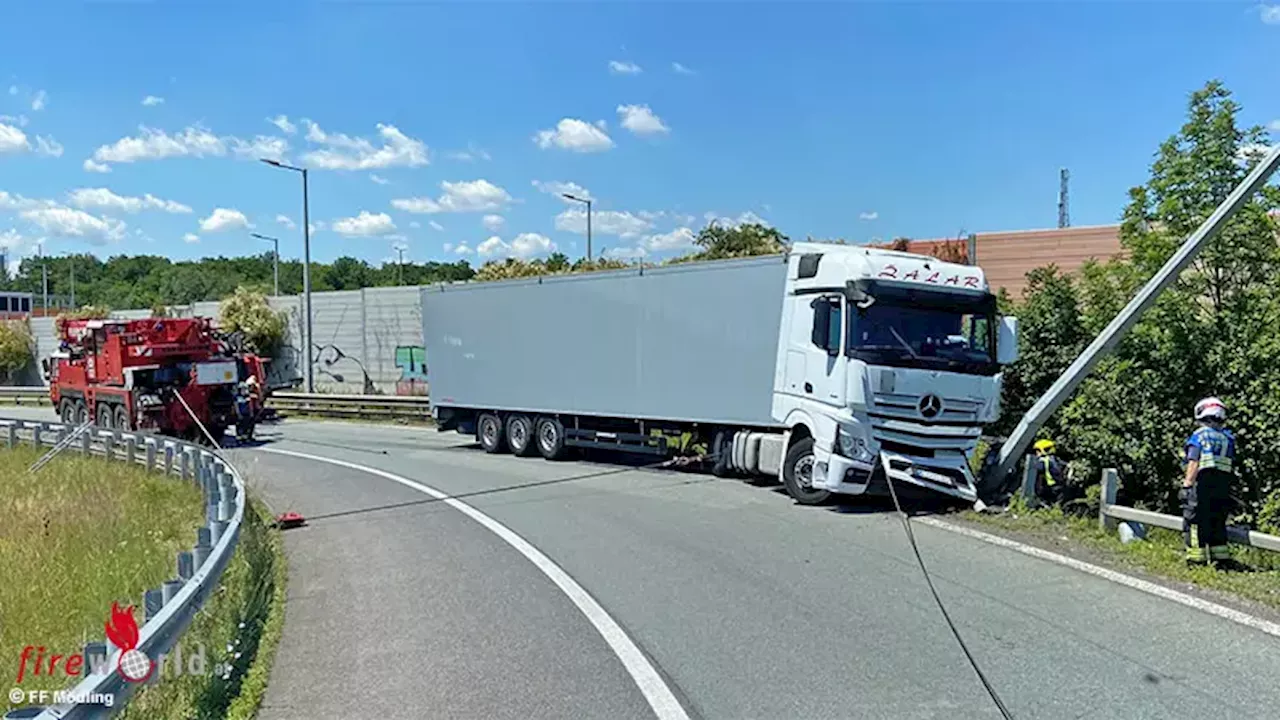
(1116,577)
(655,690)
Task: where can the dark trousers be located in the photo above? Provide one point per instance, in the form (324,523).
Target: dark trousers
(1205,507)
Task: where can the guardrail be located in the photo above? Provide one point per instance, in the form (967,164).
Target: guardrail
(168,609)
(1110,515)
(25,396)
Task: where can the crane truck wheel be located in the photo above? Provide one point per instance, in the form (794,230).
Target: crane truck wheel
(67,412)
(491,436)
(797,474)
(549,436)
(82,413)
(122,418)
(105,416)
(520,435)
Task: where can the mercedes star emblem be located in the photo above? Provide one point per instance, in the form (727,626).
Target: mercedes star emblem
(930,406)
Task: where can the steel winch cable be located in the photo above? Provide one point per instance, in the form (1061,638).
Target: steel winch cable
(955,632)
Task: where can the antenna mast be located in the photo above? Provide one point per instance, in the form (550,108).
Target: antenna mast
(1064,215)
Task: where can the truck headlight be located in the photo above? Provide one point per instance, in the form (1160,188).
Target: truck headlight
(852,445)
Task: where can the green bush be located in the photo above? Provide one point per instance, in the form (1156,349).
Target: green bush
(16,347)
(249,313)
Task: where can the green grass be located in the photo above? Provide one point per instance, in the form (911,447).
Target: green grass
(240,625)
(1161,554)
(76,536)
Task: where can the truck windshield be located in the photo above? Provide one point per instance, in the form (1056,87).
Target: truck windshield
(926,337)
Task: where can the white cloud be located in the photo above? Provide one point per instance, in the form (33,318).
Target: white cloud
(223,219)
(625,253)
(462,196)
(525,245)
(152,101)
(95,167)
(286,221)
(1270,14)
(191,238)
(603,222)
(461,249)
(680,69)
(493,246)
(12,139)
(69,222)
(559,189)
(471,154)
(21,120)
(575,135)
(104,199)
(365,224)
(152,144)
(48,146)
(746,218)
(493,223)
(378,179)
(681,237)
(282,122)
(39,101)
(343,152)
(10,239)
(619,67)
(262,146)
(436,226)
(870,215)
(17,202)
(640,120)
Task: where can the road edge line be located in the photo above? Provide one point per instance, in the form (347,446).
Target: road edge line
(656,692)
(1129,581)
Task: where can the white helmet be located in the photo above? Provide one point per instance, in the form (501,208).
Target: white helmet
(1211,408)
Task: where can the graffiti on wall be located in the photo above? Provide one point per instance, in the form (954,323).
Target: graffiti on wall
(331,357)
(412,361)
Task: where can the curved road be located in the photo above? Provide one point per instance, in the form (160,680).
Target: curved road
(747,605)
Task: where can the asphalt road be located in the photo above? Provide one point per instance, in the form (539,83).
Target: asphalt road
(748,605)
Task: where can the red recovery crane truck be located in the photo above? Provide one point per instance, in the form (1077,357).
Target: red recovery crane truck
(129,374)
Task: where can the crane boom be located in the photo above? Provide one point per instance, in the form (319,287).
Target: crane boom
(1062,388)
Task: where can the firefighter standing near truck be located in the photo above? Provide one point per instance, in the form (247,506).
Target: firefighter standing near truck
(1051,473)
(1206,485)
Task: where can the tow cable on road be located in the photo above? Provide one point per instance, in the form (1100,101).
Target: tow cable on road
(955,632)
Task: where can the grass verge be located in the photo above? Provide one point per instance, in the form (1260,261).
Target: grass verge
(77,535)
(237,630)
(1160,555)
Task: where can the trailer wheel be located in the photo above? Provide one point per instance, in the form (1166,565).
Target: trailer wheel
(520,435)
(82,413)
(489,430)
(550,438)
(67,411)
(105,416)
(722,449)
(122,418)
(797,474)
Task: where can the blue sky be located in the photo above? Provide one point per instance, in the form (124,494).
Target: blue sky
(439,127)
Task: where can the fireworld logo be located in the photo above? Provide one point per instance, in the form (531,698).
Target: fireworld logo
(122,631)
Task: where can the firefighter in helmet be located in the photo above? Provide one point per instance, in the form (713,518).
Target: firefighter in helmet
(1051,473)
(1206,485)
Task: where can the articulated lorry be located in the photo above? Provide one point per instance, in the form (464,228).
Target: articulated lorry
(828,367)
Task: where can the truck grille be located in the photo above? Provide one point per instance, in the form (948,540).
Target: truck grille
(922,441)
(908,407)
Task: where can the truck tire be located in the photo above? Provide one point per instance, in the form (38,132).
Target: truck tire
(106,418)
(122,418)
(722,449)
(797,474)
(489,432)
(67,411)
(549,438)
(82,413)
(520,435)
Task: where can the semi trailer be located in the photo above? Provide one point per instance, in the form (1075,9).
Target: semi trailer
(829,366)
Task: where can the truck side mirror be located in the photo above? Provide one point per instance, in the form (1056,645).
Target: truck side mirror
(820,335)
(1007,342)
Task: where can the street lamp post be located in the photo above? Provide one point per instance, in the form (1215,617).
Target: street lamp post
(308,352)
(587,201)
(275,242)
(400,265)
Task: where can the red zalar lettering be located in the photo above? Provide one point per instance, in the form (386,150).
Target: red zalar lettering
(932,278)
(971,281)
(913,275)
(953,280)
(889,271)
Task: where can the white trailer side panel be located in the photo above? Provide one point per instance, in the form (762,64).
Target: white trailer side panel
(695,342)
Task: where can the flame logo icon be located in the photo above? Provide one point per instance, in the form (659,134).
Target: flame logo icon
(122,631)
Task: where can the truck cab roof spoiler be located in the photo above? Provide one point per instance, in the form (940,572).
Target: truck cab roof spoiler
(912,293)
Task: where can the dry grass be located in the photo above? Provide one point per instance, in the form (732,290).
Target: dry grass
(77,535)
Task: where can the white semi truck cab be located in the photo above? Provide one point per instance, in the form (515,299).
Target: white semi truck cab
(884,353)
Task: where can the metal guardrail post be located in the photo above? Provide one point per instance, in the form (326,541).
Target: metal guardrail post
(186,567)
(131,450)
(109,445)
(95,654)
(1110,485)
(185,465)
(168,459)
(86,441)
(152,603)
(1029,478)
(35,435)
(151,455)
(169,589)
(12,441)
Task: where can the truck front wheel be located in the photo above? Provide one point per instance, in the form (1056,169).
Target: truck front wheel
(797,474)
(520,435)
(489,430)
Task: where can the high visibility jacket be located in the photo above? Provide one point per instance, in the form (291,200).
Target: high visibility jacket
(1214,449)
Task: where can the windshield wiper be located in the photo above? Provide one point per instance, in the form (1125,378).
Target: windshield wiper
(905,344)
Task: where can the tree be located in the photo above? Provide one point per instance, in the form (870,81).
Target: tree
(719,241)
(16,347)
(248,312)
